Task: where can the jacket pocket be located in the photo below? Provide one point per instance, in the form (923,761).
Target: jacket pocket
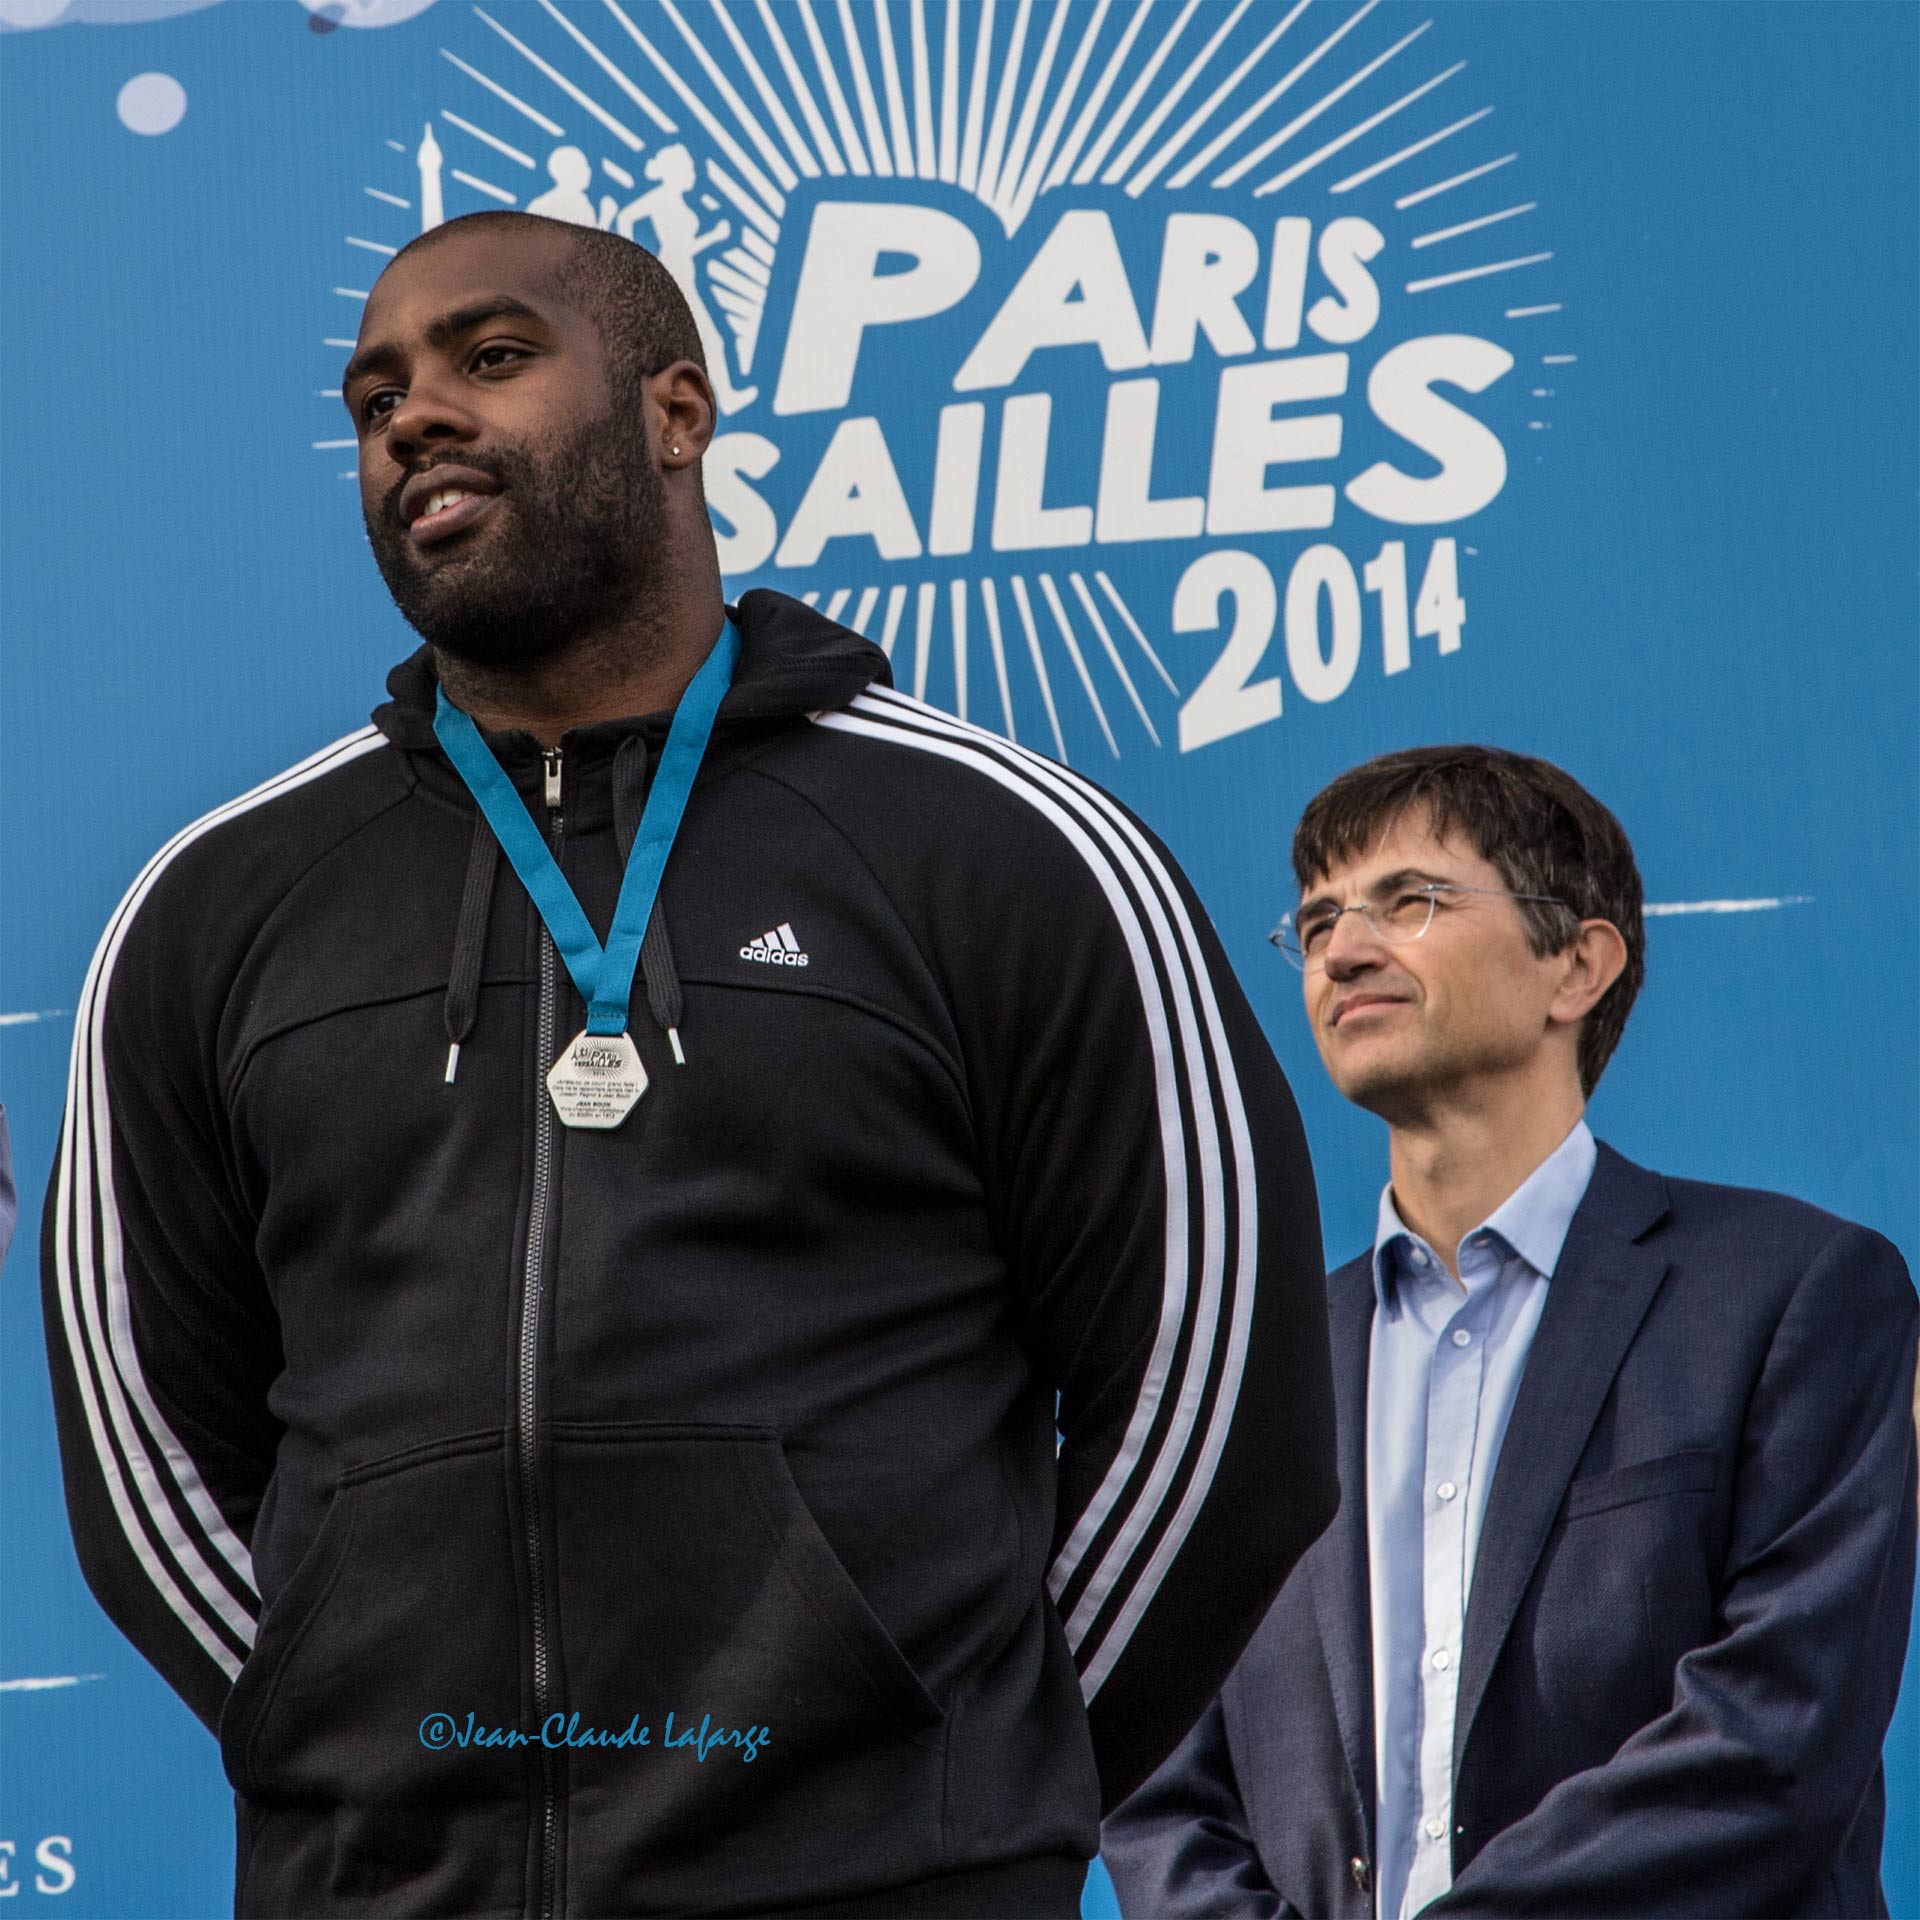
(403,1607)
(356,1730)
(694,1583)
(1621,1593)
(1643,1480)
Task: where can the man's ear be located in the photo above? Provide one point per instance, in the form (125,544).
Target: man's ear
(682,413)
(1594,961)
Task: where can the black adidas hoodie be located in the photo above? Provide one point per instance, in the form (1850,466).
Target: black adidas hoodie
(428,1448)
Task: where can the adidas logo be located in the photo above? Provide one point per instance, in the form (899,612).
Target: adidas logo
(776,949)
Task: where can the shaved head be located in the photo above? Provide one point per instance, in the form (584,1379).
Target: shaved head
(635,305)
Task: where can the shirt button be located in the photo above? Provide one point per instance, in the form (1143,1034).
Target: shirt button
(1461,1337)
(1435,1828)
(1446,1489)
(1442,1660)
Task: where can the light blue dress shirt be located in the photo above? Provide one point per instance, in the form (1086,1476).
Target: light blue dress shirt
(1443,1366)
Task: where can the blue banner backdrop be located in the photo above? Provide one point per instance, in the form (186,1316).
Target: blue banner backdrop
(1209,394)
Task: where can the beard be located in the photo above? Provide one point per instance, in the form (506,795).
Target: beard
(571,543)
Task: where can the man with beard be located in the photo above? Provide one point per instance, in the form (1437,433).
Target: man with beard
(595,1452)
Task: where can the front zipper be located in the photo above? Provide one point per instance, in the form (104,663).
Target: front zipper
(528,1407)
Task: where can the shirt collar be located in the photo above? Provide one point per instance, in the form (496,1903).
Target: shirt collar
(1533,1220)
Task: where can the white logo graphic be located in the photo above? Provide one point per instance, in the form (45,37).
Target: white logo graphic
(1051,339)
(780,948)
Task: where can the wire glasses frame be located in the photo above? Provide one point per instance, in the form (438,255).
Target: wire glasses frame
(1398,920)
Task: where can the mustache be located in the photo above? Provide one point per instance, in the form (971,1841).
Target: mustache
(497,467)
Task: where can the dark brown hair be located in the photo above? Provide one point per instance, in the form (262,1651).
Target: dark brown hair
(1539,827)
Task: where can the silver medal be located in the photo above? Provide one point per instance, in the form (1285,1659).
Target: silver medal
(597,1081)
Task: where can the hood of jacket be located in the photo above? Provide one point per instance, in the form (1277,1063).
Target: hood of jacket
(793,660)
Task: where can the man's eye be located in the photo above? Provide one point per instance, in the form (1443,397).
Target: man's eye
(1314,933)
(379,403)
(1408,909)
(496,356)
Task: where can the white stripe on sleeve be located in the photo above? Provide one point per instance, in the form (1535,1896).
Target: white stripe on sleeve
(1115,850)
(92,1286)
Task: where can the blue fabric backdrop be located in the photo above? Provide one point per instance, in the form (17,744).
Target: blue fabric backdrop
(1538,374)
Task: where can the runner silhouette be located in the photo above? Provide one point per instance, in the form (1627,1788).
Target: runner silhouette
(677,240)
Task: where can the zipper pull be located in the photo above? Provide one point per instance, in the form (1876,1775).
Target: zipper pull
(552,758)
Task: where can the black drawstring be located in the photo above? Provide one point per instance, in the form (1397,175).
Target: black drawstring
(470,939)
(663,980)
(664,999)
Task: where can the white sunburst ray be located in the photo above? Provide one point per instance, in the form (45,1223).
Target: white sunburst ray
(863,609)
(836,602)
(802,93)
(1006,182)
(996,642)
(516,154)
(1024,607)
(925,602)
(969,175)
(769,196)
(1378,167)
(756,243)
(1091,160)
(1125,612)
(893,88)
(1027,189)
(1281,87)
(552,128)
(1175,143)
(654,112)
(1057,607)
(995,150)
(1079,586)
(925,142)
(486,187)
(753,268)
(803,156)
(1116,62)
(957,620)
(1340,142)
(1478,273)
(748,208)
(1306,117)
(890,624)
(878,150)
(738,284)
(744,118)
(743,314)
(618,128)
(1438,234)
(857,160)
(1173,95)
(949,159)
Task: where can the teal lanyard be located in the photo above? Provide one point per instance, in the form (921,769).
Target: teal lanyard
(604,976)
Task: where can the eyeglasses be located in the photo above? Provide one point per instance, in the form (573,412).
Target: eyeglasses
(1397,918)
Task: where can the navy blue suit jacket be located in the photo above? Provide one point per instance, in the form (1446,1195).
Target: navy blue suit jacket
(1688,1614)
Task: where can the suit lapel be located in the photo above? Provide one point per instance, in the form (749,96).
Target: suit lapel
(1596,1299)
(1341,1599)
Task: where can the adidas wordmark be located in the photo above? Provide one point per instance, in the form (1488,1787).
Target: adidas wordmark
(776,949)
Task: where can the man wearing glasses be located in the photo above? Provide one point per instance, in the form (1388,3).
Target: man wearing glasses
(1612,1617)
